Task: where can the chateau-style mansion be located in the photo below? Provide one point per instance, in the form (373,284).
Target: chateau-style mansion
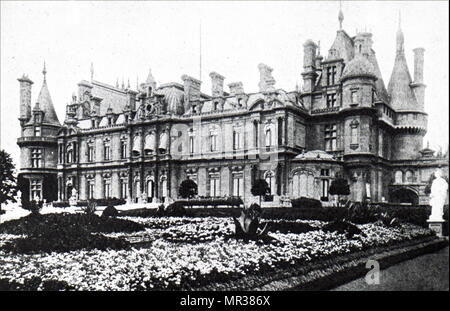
(141,144)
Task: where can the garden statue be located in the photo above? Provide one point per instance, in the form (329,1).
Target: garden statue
(74,198)
(438,195)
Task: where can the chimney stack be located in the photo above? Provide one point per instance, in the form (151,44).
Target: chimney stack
(191,90)
(236,88)
(216,84)
(266,80)
(25,99)
(418,65)
(418,86)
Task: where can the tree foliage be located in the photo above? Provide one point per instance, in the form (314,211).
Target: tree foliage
(8,184)
(339,186)
(259,188)
(188,189)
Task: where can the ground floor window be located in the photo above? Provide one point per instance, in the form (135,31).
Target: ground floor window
(107,189)
(238,185)
(214,186)
(325,186)
(36,189)
(123,189)
(90,189)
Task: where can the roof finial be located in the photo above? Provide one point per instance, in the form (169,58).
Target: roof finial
(44,71)
(400,38)
(341,15)
(92,71)
(117,82)
(137,83)
(318,48)
(128,84)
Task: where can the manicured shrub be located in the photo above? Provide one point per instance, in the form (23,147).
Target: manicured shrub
(29,225)
(187,189)
(110,211)
(175,209)
(303,202)
(63,240)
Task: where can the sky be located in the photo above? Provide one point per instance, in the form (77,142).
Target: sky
(124,40)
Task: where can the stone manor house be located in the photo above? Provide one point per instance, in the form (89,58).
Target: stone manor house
(141,144)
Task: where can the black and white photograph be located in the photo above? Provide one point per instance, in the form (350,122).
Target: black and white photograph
(215,147)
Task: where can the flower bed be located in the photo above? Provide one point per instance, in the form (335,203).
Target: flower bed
(172,261)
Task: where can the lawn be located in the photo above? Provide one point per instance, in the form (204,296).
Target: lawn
(169,253)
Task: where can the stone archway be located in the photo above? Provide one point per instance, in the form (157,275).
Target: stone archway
(404,195)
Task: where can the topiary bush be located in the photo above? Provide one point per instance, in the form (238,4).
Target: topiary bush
(303,202)
(110,211)
(175,209)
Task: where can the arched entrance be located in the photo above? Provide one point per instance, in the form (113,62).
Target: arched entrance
(404,195)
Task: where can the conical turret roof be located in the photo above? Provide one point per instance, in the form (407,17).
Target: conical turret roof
(46,104)
(402,96)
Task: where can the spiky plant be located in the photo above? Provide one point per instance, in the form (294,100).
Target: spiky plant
(248,224)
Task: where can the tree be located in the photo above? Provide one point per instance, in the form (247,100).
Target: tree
(188,189)
(339,186)
(259,188)
(8,185)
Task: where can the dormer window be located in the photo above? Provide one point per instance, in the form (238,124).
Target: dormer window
(331,75)
(93,123)
(109,121)
(37,118)
(194,108)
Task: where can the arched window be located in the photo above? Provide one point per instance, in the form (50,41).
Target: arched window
(398,177)
(69,153)
(303,185)
(137,145)
(150,143)
(409,176)
(163,142)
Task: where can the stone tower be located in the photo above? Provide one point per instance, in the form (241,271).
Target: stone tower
(407,98)
(38,144)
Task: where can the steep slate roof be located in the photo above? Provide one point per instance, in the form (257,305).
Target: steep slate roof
(379,84)
(111,97)
(402,96)
(343,45)
(44,103)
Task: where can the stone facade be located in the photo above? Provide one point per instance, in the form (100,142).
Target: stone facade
(141,144)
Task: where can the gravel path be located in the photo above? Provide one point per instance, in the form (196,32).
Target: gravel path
(428,272)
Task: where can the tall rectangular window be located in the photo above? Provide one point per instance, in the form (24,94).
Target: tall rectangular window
(37,131)
(325,186)
(236,140)
(331,100)
(238,185)
(107,189)
(214,186)
(123,149)
(61,153)
(213,141)
(107,152)
(90,153)
(191,144)
(90,189)
(330,137)
(123,189)
(36,157)
(331,75)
